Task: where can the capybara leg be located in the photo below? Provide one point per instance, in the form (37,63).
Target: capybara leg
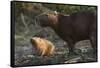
(52,51)
(71,47)
(43,53)
(39,52)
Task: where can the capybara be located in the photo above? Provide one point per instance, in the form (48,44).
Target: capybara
(73,28)
(43,46)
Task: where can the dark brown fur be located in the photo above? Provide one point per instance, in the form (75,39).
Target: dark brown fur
(73,28)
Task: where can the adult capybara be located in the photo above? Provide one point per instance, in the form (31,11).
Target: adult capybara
(44,47)
(73,28)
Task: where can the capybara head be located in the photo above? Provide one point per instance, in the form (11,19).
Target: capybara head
(49,19)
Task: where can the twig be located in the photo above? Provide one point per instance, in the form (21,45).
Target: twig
(24,22)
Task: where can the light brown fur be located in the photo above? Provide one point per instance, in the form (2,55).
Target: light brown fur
(43,46)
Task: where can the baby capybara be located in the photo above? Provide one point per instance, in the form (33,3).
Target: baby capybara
(43,46)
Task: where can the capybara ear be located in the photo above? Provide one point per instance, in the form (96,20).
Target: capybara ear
(55,12)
